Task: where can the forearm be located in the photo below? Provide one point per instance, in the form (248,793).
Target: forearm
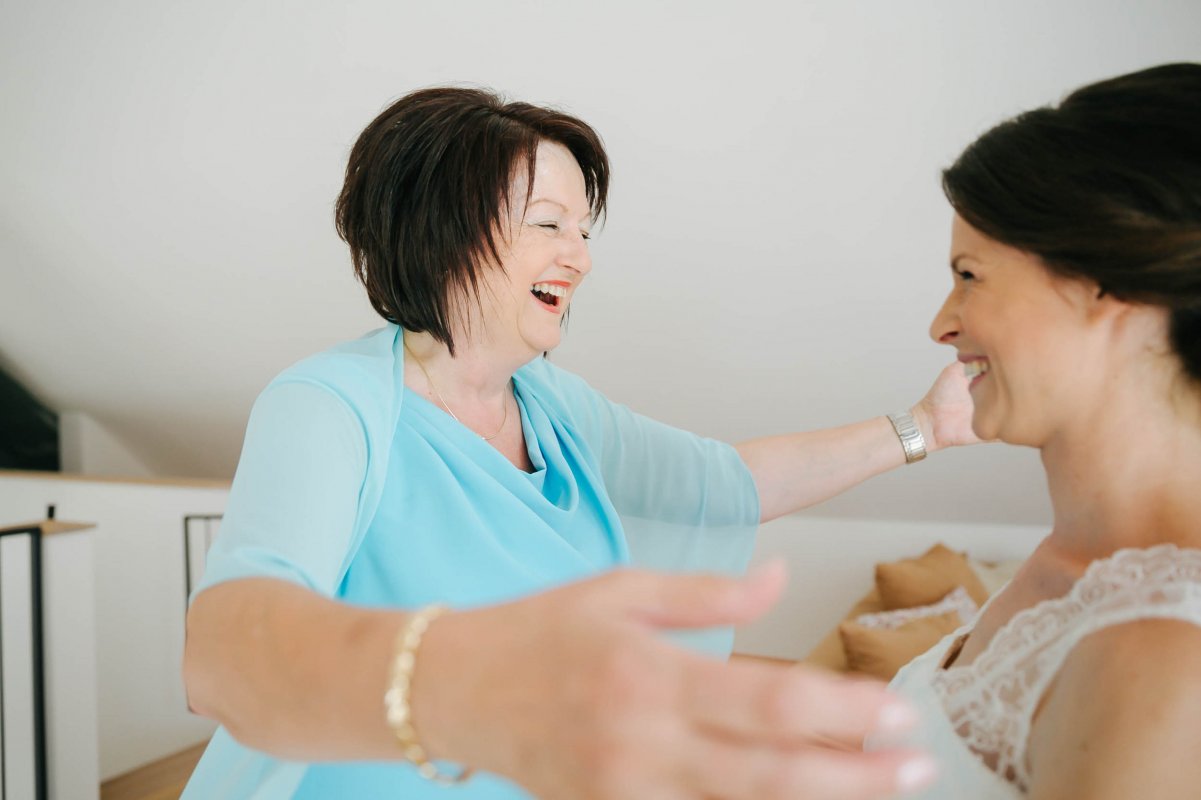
(289,672)
(569,693)
(795,471)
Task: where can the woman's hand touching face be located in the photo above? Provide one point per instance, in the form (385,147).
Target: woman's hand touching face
(945,413)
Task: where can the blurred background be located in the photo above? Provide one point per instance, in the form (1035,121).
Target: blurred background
(775,249)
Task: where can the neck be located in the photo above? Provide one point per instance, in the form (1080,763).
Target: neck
(476,374)
(1128,472)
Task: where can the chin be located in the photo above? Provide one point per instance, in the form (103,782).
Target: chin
(539,330)
(543,341)
(983,428)
(996,431)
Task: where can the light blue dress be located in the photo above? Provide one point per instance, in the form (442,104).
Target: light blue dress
(360,490)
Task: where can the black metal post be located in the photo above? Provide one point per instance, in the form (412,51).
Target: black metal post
(39,665)
(41,784)
(187,568)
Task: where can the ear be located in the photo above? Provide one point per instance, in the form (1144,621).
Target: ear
(1099,305)
(1090,303)
(1140,323)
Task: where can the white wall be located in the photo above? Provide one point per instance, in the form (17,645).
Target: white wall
(72,684)
(87,447)
(139,604)
(775,247)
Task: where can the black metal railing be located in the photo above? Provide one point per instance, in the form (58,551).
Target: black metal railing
(195,524)
(34,532)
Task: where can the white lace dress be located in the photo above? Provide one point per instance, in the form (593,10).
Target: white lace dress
(976,717)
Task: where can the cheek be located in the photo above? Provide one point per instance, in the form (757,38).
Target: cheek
(1039,373)
(510,285)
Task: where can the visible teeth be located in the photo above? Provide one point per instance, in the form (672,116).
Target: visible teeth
(550,288)
(973,368)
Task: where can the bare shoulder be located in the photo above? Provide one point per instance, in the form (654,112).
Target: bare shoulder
(1120,719)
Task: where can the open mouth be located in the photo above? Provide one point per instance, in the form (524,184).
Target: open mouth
(549,294)
(973,370)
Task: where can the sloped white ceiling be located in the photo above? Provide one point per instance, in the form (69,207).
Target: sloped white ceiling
(776,241)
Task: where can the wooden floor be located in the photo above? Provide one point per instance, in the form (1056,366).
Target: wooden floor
(162,780)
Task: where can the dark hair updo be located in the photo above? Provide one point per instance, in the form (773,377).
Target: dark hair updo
(428,188)
(1106,186)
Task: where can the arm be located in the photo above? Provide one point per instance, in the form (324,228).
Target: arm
(270,661)
(1120,720)
(571,693)
(262,631)
(795,471)
(798,470)
(653,472)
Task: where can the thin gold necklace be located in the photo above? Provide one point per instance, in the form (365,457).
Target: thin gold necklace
(430,381)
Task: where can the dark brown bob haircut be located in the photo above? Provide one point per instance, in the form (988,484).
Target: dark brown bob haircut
(1105,187)
(427,193)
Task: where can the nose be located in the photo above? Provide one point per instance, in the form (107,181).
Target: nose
(575,255)
(944,329)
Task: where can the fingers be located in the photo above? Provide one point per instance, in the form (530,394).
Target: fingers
(787,704)
(766,731)
(725,770)
(698,601)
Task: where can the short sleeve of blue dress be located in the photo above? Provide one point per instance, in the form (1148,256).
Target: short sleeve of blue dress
(360,491)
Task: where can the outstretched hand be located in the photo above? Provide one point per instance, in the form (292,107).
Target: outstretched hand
(574,693)
(945,413)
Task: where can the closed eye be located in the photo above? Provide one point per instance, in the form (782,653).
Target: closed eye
(554,227)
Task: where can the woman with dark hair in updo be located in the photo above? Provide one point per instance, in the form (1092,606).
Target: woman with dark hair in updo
(441,461)
(1076,309)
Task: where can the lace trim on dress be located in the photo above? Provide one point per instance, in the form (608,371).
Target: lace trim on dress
(957,600)
(990,702)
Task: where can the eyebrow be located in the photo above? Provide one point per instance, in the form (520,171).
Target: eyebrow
(536,200)
(961,257)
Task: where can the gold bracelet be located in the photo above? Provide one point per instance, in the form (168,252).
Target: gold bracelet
(396,699)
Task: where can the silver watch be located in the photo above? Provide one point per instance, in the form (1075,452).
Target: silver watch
(910,435)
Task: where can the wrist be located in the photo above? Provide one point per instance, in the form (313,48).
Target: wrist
(431,710)
(414,708)
(909,436)
(925,423)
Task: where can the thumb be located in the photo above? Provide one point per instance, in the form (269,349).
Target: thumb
(702,601)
